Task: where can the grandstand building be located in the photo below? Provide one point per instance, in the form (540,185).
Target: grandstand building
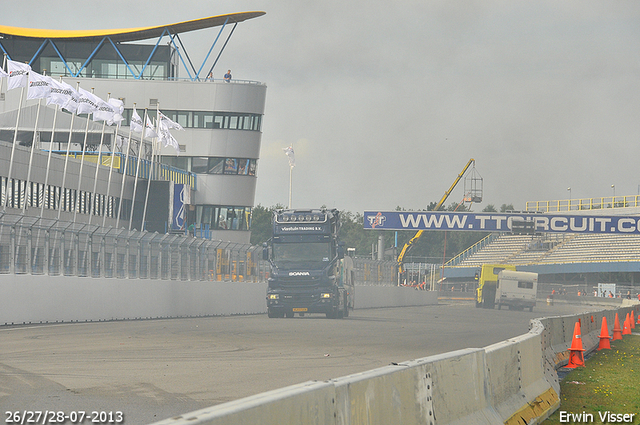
(215,170)
(582,258)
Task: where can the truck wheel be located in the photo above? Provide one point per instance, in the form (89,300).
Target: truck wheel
(499,306)
(331,315)
(271,314)
(289,314)
(531,309)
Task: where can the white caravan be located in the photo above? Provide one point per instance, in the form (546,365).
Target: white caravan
(516,289)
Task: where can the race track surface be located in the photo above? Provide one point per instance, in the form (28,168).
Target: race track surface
(154,369)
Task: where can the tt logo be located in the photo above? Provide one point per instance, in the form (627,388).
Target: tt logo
(376,220)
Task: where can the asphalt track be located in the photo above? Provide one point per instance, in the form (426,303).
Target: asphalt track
(155,369)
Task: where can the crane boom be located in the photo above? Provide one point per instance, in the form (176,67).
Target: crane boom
(409,244)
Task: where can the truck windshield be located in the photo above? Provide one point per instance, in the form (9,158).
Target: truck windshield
(305,255)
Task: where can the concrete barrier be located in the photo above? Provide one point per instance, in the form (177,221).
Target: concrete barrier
(53,299)
(307,403)
(40,299)
(514,381)
(511,382)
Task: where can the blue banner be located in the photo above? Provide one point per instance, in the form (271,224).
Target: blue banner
(179,206)
(500,222)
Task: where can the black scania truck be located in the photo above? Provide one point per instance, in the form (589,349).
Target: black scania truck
(309,271)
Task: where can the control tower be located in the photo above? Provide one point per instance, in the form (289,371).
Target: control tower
(214,168)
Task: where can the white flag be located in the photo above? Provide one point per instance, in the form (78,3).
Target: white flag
(18,74)
(73,98)
(105,111)
(59,94)
(118,106)
(289,152)
(39,86)
(88,102)
(136,122)
(150,129)
(166,138)
(3,73)
(168,122)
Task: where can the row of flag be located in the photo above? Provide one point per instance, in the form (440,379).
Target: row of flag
(81,101)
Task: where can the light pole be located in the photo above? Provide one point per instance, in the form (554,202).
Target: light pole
(569,189)
(613,200)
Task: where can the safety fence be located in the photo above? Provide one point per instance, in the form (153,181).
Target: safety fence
(614,201)
(41,246)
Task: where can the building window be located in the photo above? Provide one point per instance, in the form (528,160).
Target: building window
(206,119)
(215,217)
(214,165)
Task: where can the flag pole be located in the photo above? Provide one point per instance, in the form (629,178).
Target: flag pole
(153,148)
(27,189)
(124,174)
(84,148)
(290,181)
(13,148)
(63,192)
(113,143)
(135,182)
(98,164)
(46,177)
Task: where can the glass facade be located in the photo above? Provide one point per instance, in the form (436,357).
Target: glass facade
(208,119)
(216,217)
(213,165)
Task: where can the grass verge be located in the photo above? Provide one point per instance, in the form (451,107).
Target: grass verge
(609,383)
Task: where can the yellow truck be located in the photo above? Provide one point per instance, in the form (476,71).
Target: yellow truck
(487,278)
(502,285)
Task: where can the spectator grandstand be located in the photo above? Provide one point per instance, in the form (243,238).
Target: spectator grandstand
(559,254)
(550,249)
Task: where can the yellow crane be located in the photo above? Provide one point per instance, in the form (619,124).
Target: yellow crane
(413,240)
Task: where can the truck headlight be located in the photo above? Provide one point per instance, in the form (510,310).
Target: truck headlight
(325,295)
(273,296)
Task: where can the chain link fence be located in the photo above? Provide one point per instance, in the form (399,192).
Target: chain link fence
(41,246)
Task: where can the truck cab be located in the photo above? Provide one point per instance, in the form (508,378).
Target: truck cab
(487,278)
(309,271)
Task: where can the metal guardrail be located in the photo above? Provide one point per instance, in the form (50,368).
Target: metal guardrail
(582,204)
(471,250)
(42,246)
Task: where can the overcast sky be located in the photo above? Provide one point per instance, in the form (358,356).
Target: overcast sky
(385,102)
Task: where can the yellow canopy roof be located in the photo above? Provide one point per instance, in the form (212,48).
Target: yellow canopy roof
(130,34)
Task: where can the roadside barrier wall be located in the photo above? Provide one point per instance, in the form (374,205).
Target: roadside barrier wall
(511,382)
(54,299)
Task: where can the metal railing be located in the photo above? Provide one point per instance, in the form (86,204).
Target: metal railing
(42,246)
(582,204)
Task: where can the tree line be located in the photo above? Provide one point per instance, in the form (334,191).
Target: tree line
(433,247)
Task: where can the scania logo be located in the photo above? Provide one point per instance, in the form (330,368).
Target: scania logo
(298,273)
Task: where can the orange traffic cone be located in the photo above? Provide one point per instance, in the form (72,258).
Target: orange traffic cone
(626,330)
(632,321)
(617,332)
(638,322)
(576,359)
(604,336)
